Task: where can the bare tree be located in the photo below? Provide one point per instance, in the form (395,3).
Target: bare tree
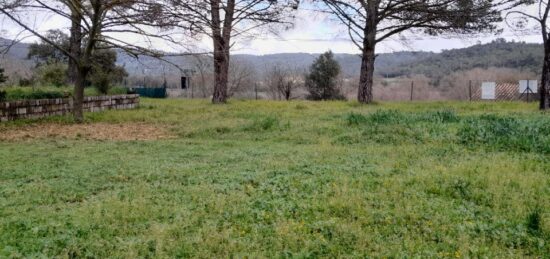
(203,79)
(92,23)
(370,22)
(520,20)
(241,77)
(225,20)
(282,81)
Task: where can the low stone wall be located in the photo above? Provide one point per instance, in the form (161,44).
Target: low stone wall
(31,109)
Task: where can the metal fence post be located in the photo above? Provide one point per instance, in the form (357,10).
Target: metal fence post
(412,90)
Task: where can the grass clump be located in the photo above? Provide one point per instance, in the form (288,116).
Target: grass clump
(506,133)
(356,119)
(441,116)
(399,117)
(263,124)
(533,221)
(387,117)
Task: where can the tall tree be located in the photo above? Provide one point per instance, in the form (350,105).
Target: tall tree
(520,19)
(44,53)
(223,21)
(97,19)
(370,22)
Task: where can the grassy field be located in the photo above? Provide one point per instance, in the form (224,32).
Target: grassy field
(283,179)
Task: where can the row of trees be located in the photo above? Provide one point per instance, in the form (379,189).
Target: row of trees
(280,81)
(105,24)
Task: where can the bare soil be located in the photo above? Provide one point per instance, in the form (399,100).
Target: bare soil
(93,131)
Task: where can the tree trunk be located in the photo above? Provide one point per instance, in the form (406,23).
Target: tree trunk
(78,96)
(366,78)
(544,103)
(221,71)
(75,45)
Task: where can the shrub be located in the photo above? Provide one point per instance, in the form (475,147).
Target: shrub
(119,90)
(26,82)
(2,96)
(53,74)
(20,94)
(101,81)
(3,78)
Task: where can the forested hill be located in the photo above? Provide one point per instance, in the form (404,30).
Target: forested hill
(499,53)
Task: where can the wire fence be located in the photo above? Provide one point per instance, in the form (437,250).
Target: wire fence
(392,89)
(464,90)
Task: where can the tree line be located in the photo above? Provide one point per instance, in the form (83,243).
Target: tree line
(97,25)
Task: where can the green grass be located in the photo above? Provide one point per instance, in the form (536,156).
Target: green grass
(286,179)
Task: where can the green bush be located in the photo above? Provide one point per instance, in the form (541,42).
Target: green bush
(3,78)
(53,74)
(2,96)
(20,94)
(119,90)
(26,82)
(102,82)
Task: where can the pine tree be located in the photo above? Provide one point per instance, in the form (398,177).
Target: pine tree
(321,80)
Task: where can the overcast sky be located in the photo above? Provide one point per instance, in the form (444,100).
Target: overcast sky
(312,33)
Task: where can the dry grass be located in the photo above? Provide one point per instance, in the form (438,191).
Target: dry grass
(95,131)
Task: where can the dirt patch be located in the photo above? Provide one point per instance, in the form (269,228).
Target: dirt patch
(95,131)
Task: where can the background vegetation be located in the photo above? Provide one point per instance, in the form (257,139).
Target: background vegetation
(436,76)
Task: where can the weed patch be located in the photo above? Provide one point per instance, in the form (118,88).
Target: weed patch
(505,133)
(264,124)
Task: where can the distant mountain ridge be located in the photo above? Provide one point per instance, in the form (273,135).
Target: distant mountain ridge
(499,53)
